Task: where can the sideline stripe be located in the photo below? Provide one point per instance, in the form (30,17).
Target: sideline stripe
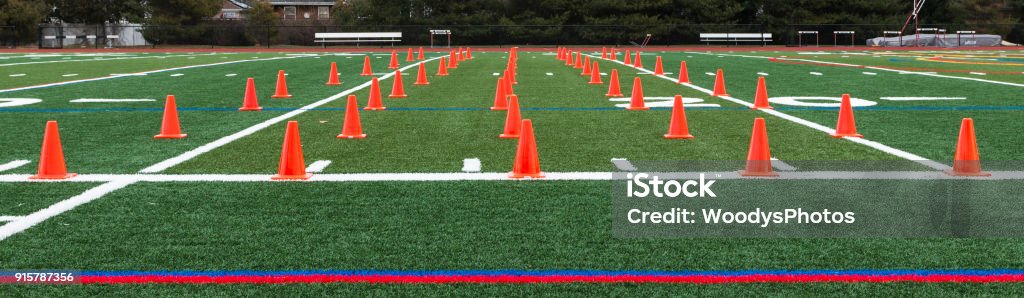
(164,165)
(876,145)
(566,276)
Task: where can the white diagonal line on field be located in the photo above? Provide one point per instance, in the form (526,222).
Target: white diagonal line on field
(30,220)
(97,59)
(13,165)
(9,218)
(460,176)
(876,145)
(782,166)
(623,164)
(164,165)
(115,76)
(318,166)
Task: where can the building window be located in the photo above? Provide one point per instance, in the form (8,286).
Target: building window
(230,15)
(323,12)
(289,12)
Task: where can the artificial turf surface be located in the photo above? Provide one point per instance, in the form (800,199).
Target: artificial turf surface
(532,225)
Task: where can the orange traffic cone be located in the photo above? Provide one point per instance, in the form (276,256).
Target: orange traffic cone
(759,157)
(760,96)
(967,162)
(367,70)
(527,162)
(352,128)
(419,56)
(511,74)
(51,157)
(636,101)
(374,103)
(513,121)
(846,126)
(332,78)
(595,75)
(684,74)
(586,67)
(627,60)
(658,70)
(442,69)
(282,86)
(409,57)
(615,54)
(452,61)
(500,96)
(469,53)
(637,62)
(292,165)
(677,127)
(171,128)
(604,53)
(508,83)
(397,88)
(613,85)
(578,64)
(569,60)
(421,76)
(720,84)
(394,60)
(250,103)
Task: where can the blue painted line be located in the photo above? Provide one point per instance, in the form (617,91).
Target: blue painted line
(923,272)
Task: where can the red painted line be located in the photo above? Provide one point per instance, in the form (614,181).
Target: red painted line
(551,279)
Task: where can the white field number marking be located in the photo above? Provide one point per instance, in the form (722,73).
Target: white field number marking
(816,101)
(14,102)
(663,102)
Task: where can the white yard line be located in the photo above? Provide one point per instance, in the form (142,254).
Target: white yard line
(96,59)
(6,218)
(318,166)
(876,145)
(164,165)
(762,74)
(115,76)
(13,165)
(869,73)
(30,220)
(921,98)
(95,100)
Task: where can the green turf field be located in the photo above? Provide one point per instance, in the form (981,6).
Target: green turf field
(910,106)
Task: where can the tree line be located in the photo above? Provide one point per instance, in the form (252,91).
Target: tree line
(583,21)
